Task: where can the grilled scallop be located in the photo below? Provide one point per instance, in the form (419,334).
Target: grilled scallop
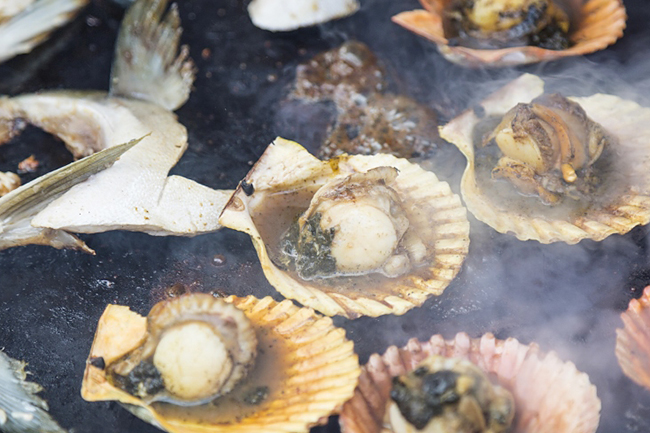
(196,348)
(197,363)
(449,395)
(498,33)
(550,395)
(553,168)
(355,235)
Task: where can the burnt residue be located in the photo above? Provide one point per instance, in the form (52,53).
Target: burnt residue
(256,395)
(369,119)
(143,381)
(98,361)
(420,405)
(248,188)
(307,249)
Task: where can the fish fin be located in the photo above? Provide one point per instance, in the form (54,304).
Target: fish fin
(21,410)
(19,206)
(146,64)
(24,31)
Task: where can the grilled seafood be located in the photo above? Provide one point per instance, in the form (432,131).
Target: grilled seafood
(304,367)
(26,23)
(148,81)
(550,152)
(20,409)
(550,147)
(508,23)
(353,235)
(474,33)
(196,349)
(449,395)
(369,119)
(352,226)
(285,15)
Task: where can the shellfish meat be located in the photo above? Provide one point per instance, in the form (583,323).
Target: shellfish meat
(553,168)
(550,395)
(189,367)
(500,33)
(550,147)
(508,23)
(196,348)
(449,395)
(353,235)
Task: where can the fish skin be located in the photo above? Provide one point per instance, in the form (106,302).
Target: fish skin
(18,208)
(21,410)
(20,33)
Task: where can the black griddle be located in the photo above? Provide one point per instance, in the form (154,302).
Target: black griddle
(565,298)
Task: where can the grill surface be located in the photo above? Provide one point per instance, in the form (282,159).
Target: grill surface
(565,298)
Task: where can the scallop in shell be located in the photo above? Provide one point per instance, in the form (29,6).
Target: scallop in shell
(614,198)
(550,395)
(355,235)
(598,24)
(633,341)
(448,395)
(305,367)
(196,348)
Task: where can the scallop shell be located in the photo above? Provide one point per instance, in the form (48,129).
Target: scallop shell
(633,341)
(602,23)
(551,396)
(625,120)
(444,224)
(322,368)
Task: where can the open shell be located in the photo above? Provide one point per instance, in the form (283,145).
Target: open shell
(600,24)
(442,223)
(321,373)
(629,125)
(551,396)
(633,341)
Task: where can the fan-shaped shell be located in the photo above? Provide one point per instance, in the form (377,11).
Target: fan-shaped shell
(551,396)
(439,217)
(600,24)
(633,341)
(629,125)
(320,375)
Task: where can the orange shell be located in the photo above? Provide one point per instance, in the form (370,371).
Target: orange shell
(633,341)
(602,23)
(551,396)
(322,368)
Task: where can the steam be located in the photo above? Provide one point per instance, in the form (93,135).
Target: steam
(566,298)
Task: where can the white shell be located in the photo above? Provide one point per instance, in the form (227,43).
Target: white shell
(285,15)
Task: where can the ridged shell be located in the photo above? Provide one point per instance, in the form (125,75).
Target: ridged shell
(601,23)
(551,396)
(322,368)
(633,341)
(625,120)
(443,223)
